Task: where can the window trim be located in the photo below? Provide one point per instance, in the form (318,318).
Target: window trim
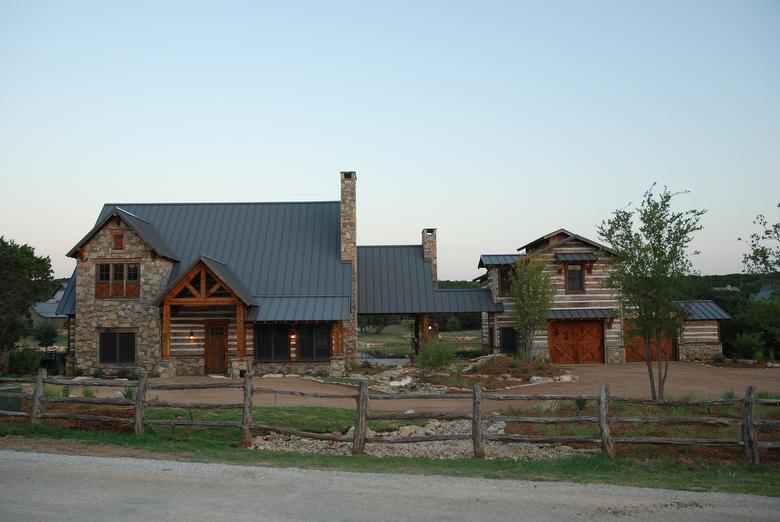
(111,281)
(117,331)
(582,278)
(504,289)
(118,240)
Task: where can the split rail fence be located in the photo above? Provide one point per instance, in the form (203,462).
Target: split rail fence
(748,423)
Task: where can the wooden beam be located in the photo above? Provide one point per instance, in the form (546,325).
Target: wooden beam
(426,332)
(202,292)
(240,329)
(166,331)
(337,339)
(199,301)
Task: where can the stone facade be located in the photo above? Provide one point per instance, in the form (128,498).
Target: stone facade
(429,250)
(348,218)
(137,314)
(297,368)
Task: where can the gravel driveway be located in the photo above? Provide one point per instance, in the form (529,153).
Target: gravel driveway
(35,486)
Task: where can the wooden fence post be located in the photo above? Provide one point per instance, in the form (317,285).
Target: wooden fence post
(607,445)
(749,436)
(476,424)
(361,424)
(37,392)
(246,419)
(140,398)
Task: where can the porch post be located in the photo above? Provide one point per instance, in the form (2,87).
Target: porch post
(240,330)
(426,331)
(166,332)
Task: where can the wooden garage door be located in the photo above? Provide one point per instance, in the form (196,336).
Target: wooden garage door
(635,347)
(576,342)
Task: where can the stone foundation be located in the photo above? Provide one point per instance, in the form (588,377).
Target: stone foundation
(166,369)
(337,367)
(297,368)
(700,351)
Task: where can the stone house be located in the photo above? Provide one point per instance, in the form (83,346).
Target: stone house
(586,324)
(198,288)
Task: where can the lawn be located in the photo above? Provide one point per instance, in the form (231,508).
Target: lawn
(396,342)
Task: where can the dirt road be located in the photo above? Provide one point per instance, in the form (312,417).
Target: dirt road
(36,486)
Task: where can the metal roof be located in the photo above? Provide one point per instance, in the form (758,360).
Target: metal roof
(582,313)
(221,271)
(321,308)
(67,305)
(486,260)
(397,280)
(275,249)
(571,235)
(47,310)
(703,310)
(577,256)
(142,227)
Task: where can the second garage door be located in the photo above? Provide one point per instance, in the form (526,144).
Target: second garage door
(635,347)
(576,342)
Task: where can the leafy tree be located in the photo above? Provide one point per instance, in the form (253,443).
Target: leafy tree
(764,255)
(24,279)
(652,261)
(532,294)
(45,334)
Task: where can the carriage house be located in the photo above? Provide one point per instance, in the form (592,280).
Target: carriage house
(585,323)
(200,288)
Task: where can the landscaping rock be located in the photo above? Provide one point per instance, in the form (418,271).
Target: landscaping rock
(411,431)
(402,383)
(536,379)
(292,375)
(273,376)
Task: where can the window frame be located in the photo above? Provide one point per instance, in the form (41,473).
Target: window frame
(117,332)
(117,240)
(110,287)
(581,279)
(504,281)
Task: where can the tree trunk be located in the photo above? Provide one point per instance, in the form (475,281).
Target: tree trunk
(649,363)
(659,353)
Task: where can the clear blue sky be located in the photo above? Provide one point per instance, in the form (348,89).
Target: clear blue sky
(494,121)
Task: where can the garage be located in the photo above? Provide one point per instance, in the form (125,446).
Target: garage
(576,342)
(635,347)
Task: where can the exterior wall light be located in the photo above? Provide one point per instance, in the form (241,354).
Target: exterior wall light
(192,336)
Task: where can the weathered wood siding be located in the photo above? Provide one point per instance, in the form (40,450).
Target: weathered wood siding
(597,295)
(186,319)
(700,340)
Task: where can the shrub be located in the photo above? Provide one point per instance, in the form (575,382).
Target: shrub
(718,358)
(98,373)
(729,394)
(88,392)
(154,374)
(580,405)
(25,361)
(129,393)
(51,391)
(127,373)
(436,357)
(747,344)
(45,334)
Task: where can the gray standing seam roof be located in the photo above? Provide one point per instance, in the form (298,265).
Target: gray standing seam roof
(486,260)
(266,250)
(67,305)
(582,313)
(300,309)
(47,310)
(576,256)
(703,310)
(397,280)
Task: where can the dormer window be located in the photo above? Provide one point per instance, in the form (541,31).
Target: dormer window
(119,240)
(575,279)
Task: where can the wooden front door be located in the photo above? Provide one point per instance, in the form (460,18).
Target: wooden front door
(216,348)
(635,347)
(576,342)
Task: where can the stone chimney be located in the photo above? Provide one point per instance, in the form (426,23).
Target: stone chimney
(429,249)
(348,218)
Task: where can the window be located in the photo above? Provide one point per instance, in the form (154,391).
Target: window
(504,281)
(272,342)
(314,342)
(118,280)
(119,240)
(117,347)
(575,279)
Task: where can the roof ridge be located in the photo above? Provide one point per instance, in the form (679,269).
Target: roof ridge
(389,246)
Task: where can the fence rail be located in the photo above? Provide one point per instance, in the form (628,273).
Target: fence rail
(748,439)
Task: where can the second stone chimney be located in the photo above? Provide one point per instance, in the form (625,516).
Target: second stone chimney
(348,220)
(429,249)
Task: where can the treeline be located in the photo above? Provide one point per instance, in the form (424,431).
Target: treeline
(754,330)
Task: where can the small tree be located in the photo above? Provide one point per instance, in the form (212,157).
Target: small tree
(45,334)
(24,279)
(532,294)
(764,255)
(651,244)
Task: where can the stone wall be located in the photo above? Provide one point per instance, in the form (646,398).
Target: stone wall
(348,219)
(139,314)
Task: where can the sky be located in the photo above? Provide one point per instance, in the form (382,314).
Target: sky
(495,122)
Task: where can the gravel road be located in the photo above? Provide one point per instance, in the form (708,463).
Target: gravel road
(36,486)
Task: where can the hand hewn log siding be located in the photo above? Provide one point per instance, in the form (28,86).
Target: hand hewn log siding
(186,320)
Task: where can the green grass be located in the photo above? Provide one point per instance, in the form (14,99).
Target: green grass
(204,445)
